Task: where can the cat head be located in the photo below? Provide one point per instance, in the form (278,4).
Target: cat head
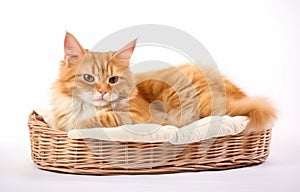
(96,78)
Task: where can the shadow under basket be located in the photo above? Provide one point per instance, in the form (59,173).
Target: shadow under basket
(51,149)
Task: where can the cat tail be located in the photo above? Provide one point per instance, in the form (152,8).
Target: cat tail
(261,113)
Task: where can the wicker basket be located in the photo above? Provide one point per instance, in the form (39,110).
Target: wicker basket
(52,150)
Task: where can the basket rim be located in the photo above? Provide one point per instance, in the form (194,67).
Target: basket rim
(35,116)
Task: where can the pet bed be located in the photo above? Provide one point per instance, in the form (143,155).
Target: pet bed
(212,143)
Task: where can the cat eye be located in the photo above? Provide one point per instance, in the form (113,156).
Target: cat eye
(113,79)
(88,78)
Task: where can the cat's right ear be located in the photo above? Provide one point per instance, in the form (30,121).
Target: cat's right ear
(73,50)
(126,52)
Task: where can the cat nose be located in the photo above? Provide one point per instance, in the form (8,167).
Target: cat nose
(102,92)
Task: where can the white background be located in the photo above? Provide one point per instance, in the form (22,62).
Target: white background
(255,43)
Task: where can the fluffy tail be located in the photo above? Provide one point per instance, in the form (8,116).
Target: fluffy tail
(260,112)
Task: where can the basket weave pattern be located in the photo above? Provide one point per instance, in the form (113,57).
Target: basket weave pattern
(51,149)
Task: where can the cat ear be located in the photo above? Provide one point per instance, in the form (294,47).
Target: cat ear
(73,50)
(126,52)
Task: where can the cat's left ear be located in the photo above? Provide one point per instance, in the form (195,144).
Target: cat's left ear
(126,52)
(73,50)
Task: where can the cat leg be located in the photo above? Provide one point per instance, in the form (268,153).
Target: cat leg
(106,119)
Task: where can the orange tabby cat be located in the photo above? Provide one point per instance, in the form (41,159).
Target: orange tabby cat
(97,89)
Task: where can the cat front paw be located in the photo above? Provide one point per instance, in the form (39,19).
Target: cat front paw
(108,119)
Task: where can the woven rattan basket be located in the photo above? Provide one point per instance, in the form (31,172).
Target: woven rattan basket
(52,150)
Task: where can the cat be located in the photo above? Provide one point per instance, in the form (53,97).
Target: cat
(97,89)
